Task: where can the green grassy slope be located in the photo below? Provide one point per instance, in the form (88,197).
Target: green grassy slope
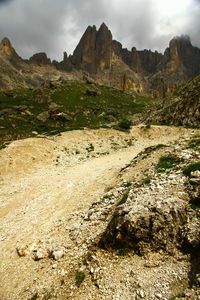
(75,105)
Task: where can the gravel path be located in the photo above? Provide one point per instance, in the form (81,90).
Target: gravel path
(45,180)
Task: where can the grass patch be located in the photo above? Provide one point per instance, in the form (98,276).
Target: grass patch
(191,168)
(123,199)
(148,150)
(4,145)
(167,162)
(79,278)
(127,184)
(147,180)
(195,207)
(177,296)
(195,144)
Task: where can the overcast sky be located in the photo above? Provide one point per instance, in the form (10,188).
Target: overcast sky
(54,26)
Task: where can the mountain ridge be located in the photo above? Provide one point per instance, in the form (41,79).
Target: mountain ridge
(105,59)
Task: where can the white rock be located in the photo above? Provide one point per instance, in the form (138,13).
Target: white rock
(54,266)
(158,296)
(58,254)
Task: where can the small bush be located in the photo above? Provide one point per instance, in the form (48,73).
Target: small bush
(125,124)
(79,277)
(34,297)
(167,162)
(147,180)
(191,168)
(148,126)
(123,251)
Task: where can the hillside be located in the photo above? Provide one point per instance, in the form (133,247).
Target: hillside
(64,105)
(181,109)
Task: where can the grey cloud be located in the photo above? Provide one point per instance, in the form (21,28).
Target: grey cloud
(57,26)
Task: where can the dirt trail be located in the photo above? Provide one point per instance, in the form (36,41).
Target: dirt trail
(37,193)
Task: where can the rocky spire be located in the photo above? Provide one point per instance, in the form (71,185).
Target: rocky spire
(6,49)
(93,52)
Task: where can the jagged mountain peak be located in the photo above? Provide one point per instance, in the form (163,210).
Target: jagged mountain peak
(7,51)
(6,42)
(6,48)
(104,27)
(182,39)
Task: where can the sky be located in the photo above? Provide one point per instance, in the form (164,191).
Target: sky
(55,26)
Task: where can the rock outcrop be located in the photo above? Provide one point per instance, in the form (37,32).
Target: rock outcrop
(181,62)
(40,59)
(65,65)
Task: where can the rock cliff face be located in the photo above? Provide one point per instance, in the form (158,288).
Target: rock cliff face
(181,62)
(181,56)
(93,52)
(143,62)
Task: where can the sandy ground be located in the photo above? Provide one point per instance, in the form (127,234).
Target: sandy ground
(43,180)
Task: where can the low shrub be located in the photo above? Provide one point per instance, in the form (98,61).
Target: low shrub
(125,124)
(167,162)
(79,277)
(147,180)
(191,168)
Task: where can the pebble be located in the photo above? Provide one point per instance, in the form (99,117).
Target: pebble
(54,266)
(158,296)
(58,254)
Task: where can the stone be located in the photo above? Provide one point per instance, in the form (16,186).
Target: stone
(39,254)
(22,250)
(61,116)
(91,92)
(57,255)
(44,116)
